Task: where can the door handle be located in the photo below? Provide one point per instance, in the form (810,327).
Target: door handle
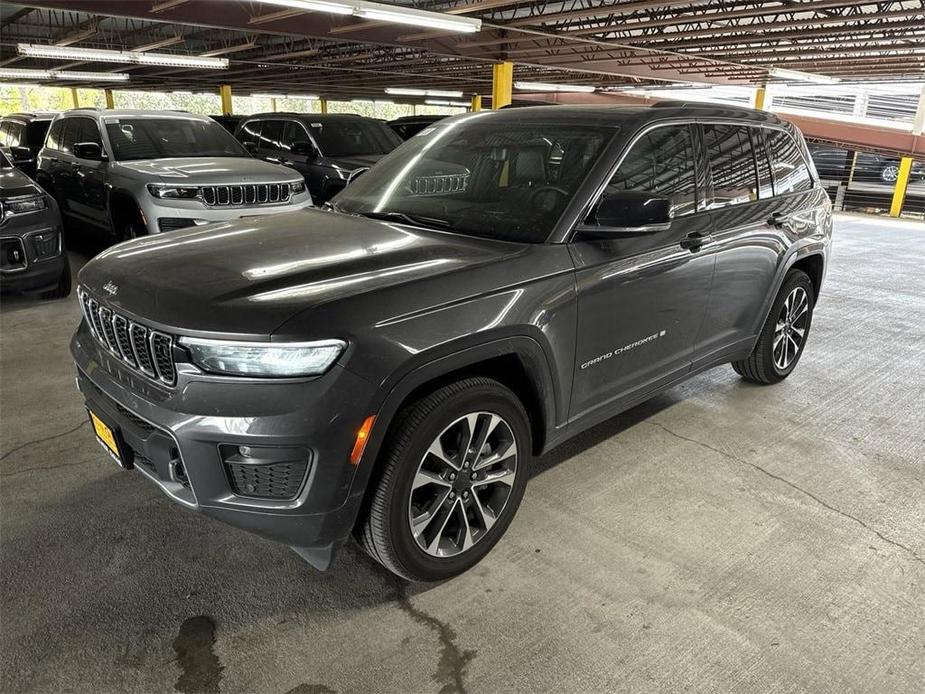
(696,240)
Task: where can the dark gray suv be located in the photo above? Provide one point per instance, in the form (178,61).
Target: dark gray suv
(388,366)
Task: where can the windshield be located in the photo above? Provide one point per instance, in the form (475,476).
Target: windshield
(160,138)
(482,177)
(343,137)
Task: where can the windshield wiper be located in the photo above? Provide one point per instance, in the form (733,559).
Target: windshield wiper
(415,219)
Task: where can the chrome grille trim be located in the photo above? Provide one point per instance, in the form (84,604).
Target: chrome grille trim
(147,351)
(245,194)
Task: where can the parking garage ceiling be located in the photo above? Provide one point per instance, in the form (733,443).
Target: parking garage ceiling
(605,44)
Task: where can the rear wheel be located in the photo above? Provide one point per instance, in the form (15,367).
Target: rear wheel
(784,334)
(455,471)
(132,229)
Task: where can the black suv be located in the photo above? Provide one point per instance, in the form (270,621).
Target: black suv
(327,149)
(389,366)
(409,126)
(22,135)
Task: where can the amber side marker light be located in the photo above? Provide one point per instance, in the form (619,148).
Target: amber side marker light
(362,437)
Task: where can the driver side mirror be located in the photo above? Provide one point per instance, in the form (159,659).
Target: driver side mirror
(20,155)
(251,147)
(88,150)
(627,213)
(305,148)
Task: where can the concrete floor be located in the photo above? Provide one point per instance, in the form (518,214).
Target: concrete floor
(722,537)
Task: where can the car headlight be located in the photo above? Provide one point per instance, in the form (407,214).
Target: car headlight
(174,192)
(26,203)
(279,359)
(297,187)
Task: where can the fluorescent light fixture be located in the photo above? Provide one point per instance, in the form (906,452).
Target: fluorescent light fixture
(546,87)
(309,97)
(16,73)
(384,13)
(445,102)
(801,76)
(407,91)
(33,50)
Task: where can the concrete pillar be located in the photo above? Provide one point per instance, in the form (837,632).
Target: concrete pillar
(273,104)
(502,84)
(224,92)
(74,98)
(110,102)
(476,103)
(24,100)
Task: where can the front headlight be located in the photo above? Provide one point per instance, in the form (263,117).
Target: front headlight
(279,359)
(30,203)
(173,192)
(297,187)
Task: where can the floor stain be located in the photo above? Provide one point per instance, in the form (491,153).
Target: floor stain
(451,669)
(311,689)
(201,670)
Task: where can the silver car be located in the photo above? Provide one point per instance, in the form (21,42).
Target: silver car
(145,172)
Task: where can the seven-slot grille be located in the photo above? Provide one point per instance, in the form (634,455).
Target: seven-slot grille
(147,351)
(246,194)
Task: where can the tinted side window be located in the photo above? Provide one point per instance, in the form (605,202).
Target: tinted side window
(662,163)
(250,132)
(66,138)
(270,134)
(54,134)
(729,150)
(4,132)
(15,134)
(85,130)
(36,131)
(765,189)
(791,174)
(293,132)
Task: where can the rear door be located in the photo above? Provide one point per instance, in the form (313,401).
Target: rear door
(751,232)
(90,192)
(642,299)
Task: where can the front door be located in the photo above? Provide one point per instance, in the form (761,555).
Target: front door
(642,299)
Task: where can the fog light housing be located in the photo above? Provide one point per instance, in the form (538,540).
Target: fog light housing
(275,473)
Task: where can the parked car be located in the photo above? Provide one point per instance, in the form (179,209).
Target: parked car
(869,167)
(143,172)
(327,149)
(229,122)
(22,136)
(388,366)
(409,126)
(32,255)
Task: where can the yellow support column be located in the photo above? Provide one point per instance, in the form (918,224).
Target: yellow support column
(476,103)
(324,105)
(224,91)
(273,105)
(74,98)
(761,95)
(502,84)
(899,192)
(110,102)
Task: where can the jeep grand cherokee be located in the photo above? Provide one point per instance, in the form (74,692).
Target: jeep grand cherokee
(388,367)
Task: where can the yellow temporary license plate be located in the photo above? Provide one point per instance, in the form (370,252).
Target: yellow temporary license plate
(105,434)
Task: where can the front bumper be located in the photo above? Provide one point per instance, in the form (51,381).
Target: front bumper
(199,420)
(35,272)
(195,213)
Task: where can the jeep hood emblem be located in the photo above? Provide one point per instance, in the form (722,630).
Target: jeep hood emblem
(111,288)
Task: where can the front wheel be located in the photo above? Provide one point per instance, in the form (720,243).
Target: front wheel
(783,337)
(63,288)
(455,469)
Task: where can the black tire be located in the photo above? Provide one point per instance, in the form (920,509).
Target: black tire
(384,529)
(63,288)
(132,229)
(760,366)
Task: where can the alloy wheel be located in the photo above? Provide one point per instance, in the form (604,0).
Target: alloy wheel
(790,330)
(462,484)
(890,174)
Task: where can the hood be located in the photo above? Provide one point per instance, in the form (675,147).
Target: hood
(210,170)
(246,277)
(14,182)
(357,162)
